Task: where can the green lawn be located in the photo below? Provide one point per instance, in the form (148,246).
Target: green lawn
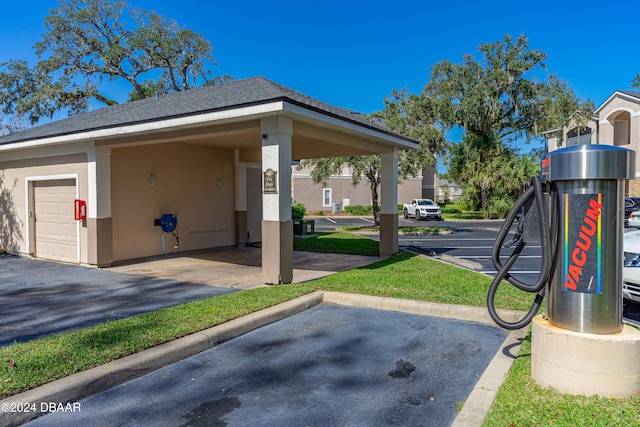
(409,229)
(520,402)
(338,242)
(465,215)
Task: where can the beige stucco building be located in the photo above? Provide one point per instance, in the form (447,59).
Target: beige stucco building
(218,157)
(448,191)
(615,122)
(339,191)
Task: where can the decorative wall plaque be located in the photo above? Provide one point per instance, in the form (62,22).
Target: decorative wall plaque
(270,182)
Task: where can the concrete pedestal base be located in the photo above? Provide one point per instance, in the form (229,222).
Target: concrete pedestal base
(585,364)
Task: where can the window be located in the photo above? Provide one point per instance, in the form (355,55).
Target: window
(579,136)
(326,197)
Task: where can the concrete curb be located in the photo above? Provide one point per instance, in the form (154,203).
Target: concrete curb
(83,384)
(478,404)
(447,311)
(448,259)
(471,265)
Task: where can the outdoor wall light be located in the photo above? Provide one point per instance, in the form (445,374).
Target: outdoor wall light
(152,180)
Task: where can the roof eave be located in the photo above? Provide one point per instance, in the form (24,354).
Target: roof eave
(235,113)
(357,126)
(228,114)
(617,93)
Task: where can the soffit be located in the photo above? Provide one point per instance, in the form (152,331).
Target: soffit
(308,140)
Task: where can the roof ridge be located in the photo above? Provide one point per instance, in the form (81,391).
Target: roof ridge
(271,87)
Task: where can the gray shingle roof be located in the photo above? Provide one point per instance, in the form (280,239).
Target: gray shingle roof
(634,93)
(252,91)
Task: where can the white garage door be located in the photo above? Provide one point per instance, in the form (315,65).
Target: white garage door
(55,228)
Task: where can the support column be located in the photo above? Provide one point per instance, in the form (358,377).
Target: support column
(389,203)
(634,137)
(99,228)
(277,226)
(605,132)
(241,200)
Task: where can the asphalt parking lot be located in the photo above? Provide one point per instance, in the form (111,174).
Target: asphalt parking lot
(313,368)
(329,365)
(39,298)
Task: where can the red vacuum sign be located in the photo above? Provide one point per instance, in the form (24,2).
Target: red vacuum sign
(582,252)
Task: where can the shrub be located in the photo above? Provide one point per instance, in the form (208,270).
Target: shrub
(297,211)
(359,210)
(469,204)
(451,209)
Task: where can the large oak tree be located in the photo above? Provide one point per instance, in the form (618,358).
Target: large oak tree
(89,41)
(497,100)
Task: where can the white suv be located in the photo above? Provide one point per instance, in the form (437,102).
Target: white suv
(631,270)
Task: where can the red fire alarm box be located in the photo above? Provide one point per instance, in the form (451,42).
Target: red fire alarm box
(80,210)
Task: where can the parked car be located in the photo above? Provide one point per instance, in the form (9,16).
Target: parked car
(631,204)
(631,269)
(422,209)
(634,219)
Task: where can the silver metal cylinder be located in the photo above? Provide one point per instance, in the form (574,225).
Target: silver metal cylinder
(587,203)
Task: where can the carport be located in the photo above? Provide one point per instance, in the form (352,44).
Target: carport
(218,157)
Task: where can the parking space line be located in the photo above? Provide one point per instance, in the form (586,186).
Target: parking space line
(330,220)
(421,243)
(367,220)
(512,273)
(469,239)
(448,247)
(489,256)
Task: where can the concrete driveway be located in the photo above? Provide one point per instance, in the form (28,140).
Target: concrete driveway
(239,268)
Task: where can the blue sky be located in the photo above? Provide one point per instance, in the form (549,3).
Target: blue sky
(352,53)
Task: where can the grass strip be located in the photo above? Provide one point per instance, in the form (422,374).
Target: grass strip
(337,242)
(466,215)
(408,229)
(407,275)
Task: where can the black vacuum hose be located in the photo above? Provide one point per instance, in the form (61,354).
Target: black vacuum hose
(534,191)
